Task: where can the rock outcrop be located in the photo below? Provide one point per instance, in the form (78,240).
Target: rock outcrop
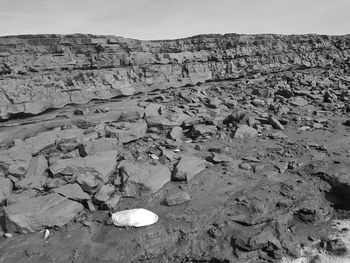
(39,72)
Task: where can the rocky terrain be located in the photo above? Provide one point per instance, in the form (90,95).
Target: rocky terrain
(239,143)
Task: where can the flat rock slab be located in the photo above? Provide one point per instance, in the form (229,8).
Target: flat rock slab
(126,132)
(99,145)
(36,174)
(103,163)
(188,167)
(72,191)
(40,213)
(147,177)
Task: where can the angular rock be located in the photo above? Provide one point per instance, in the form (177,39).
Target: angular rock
(72,191)
(89,181)
(113,201)
(40,212)
(25,195)
(202,129)
(15,160)
(104,193)
(275,123)
(103,164)
(43,140)
(178,198)
(176,133)
(188,167)
(146,177)
(171,119)
(299,101)
(221,158)
(99,145)
(6,187)
(36,174)
(154,110)
(245,132)
(126,132)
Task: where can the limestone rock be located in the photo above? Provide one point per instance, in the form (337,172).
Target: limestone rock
(41,212)
(178,198)
(104,193)
(25,195)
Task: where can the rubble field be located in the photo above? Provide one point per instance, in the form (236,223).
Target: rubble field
(248,167)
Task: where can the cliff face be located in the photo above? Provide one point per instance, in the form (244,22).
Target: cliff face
(49,71)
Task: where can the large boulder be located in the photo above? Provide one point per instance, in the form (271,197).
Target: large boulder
(126,132)
(188,167)
(102,163)
(40,212)
(143,178)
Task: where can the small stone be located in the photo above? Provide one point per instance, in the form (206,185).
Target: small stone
(299,101)
(214,102)
(176,133)
(112,202)
(276,124)
(8,235)
(221,158)
(178,198)
(245,132)
(245,166)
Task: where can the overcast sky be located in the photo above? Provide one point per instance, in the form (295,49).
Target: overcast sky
(164,19)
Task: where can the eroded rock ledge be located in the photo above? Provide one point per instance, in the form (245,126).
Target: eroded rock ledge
(38,72)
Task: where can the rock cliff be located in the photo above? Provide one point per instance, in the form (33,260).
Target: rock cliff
(40,72)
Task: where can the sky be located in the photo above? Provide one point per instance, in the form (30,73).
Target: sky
(169,19)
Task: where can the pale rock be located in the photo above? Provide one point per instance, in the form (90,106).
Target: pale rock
(176,133)
(245,132)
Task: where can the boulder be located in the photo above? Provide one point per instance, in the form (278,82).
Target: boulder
(126,132)
(35,177)
(146,177)
(72,191)
(99,145)
(245,132)
(40,212)
(102,163)
(6,187)
(188,167)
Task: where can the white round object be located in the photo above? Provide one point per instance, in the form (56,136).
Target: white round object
(134,217)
